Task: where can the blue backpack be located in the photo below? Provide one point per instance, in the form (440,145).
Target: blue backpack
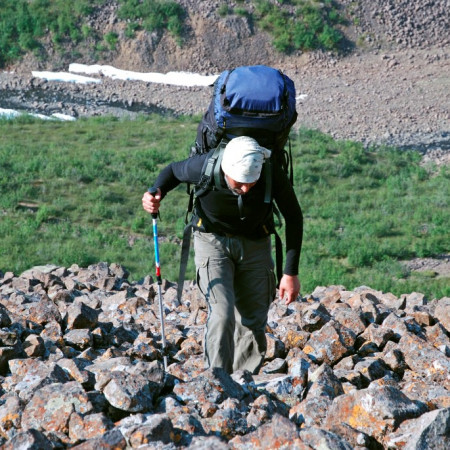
(256,101)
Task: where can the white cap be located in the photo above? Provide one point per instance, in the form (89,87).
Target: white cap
(243,159)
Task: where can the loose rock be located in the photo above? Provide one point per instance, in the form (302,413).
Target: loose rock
(85,370)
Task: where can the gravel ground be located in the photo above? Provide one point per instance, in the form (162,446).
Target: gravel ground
(400,98)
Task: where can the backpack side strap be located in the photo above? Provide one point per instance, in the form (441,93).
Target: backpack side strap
(185,246)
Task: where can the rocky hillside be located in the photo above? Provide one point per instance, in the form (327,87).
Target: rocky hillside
(80,367)
(80,361)
(212,42)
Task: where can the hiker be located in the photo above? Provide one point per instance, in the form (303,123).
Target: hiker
(232,245)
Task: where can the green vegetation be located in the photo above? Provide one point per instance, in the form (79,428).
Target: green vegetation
(153,15)
(224,10)
(367,210)
(313,26)
(24,24)
(296,25)
(71,193)
(111,39)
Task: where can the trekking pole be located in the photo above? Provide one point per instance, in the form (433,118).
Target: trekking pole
(153,192)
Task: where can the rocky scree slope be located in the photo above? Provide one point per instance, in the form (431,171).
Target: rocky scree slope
(80,367)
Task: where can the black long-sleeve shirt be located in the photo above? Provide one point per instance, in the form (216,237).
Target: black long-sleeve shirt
(220,207)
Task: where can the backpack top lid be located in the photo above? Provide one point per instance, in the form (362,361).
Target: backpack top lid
(254,96)
(255,88)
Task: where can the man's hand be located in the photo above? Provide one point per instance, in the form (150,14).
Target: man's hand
(151,202)
(289,288)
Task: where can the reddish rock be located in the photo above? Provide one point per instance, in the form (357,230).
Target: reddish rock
(422,389)
(330,343)
(442,312)
(349,318)
(314,317)
(80,315)
(429,431)
(88,427)
(189,347)
(424,358)
(111,440)
(423,316)
(44,311)
(226,422)
(80,339)
(5,320)
(132,393)
(7,354)
(393,357)
(30,375)
(263,409)
(208,443)
(109,341)
(34,346)
(401,325)
(374,411)
(316,438)
(392,302)
(284,388)
(294,337)
(10,416)
(437,335)
(75,368)
(371,368)
(275,347)
(156,428)
(51,407)
(299,364)
(311,411)
(278,365)
(377,334)
(213,385)
(323,382)
(276,433)
(30,439)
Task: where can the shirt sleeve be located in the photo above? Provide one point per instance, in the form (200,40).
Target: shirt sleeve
(289,206)
(187,171)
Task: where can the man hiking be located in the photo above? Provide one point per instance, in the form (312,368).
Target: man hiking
(233,248)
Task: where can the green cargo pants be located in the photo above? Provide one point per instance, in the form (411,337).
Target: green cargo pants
(235,274)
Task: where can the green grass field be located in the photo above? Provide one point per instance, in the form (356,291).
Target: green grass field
(71,193)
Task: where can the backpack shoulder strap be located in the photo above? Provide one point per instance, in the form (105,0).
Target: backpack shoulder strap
(210,178)
(268,178)
(217,166)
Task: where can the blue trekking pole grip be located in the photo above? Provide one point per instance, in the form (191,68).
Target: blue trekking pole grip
(153,192)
